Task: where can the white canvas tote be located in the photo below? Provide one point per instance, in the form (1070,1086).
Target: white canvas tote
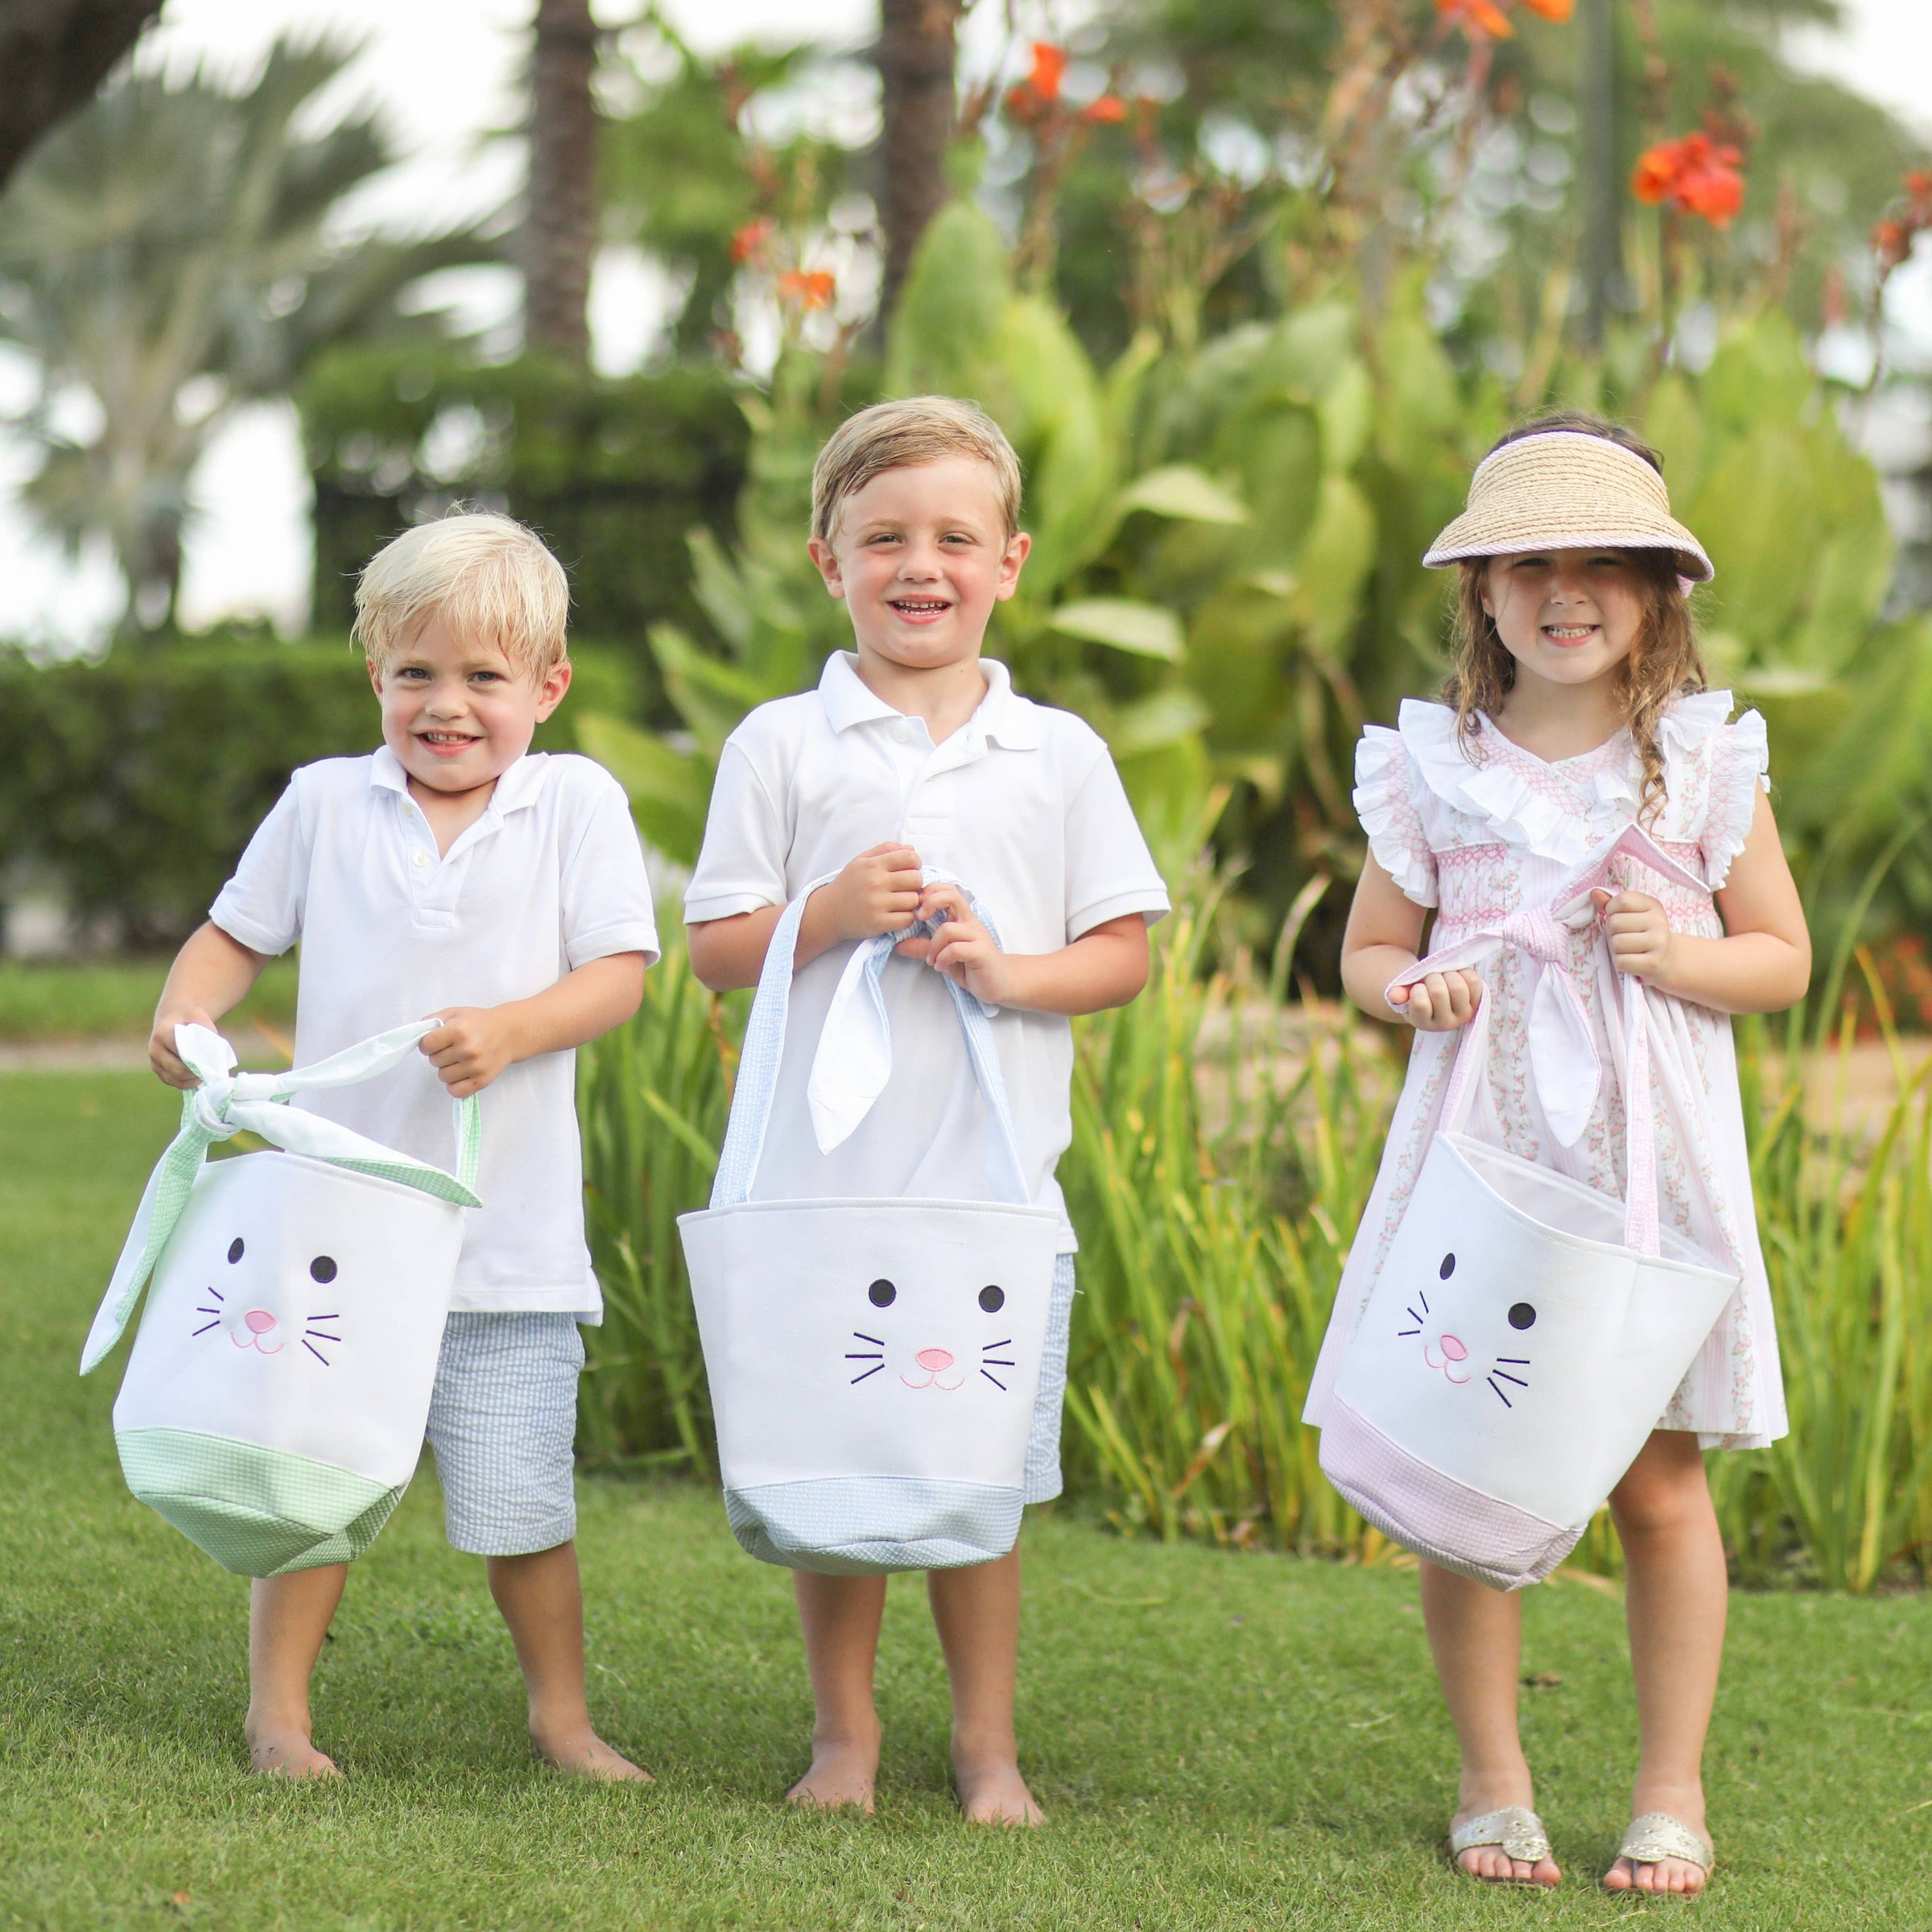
(1526,1330)
(275,1401)
(872,1363)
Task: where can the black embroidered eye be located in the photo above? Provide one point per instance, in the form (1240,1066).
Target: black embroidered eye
(234,1250)
(1522,1316)
(881,1294)
(1448,1266)
(993,1300)
(322,1268)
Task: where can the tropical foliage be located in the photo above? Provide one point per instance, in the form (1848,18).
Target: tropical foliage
(165,258)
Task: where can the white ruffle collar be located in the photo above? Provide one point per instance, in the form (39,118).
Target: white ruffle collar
(1559,810)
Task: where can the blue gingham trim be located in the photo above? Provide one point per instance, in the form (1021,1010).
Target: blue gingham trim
(502,1423)
(1041,1481)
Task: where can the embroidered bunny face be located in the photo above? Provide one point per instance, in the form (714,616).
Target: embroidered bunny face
(1469,1343)
(259,1315)
(928,1342)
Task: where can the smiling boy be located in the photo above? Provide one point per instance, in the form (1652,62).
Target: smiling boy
(916,752)
(455,874)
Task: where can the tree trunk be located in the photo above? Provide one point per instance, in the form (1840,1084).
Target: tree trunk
(915,62)
(53,55)
(560,222)
(1600,190)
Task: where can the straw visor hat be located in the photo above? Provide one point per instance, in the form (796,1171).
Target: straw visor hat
(1565,489)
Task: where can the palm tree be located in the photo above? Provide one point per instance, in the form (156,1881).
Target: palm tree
(915,56)
(166,251)
(559,236)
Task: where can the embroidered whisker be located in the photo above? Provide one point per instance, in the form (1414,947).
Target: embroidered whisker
(876,1341)
(317,1353)
(1500,1397)
(1000,1361)
(1405,1331)
(218,1294)
(994,1379)
(863,1357)
(857,1379)
(1516,1379)
(985,1346)
(203,1330)
(1515,1361)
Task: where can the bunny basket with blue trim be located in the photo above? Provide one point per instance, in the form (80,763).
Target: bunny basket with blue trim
(1526,1331)
(275,1401)
(873,1364)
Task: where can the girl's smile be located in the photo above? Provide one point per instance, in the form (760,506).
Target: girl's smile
(1566,617)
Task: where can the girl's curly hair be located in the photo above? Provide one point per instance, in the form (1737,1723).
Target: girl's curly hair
(1664,662)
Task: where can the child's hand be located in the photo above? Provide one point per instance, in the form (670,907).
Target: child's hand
(1439,1004)
(1639,934)
(168,1065)
(962,948)
(877,893)
(471,1047)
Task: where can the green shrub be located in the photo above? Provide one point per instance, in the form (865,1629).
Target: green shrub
(615,473)
(135,782)
(93,999)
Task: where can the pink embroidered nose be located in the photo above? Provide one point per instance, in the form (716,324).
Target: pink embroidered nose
(933,1359)
(260,1320)
(1454,1349)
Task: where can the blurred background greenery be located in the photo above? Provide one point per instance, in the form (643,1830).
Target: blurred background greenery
(1251,285)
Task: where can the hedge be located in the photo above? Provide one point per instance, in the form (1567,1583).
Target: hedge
(135,783)
(615,473)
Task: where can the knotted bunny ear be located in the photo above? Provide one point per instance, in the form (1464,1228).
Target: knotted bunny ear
(853,1060)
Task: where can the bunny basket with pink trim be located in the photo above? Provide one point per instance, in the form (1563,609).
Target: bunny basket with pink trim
(1526,1330)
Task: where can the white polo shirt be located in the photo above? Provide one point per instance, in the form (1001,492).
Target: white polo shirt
(1022,803)
(549,878)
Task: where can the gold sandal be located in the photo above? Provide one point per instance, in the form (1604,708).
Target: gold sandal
(1516,1828)
(1656,1836)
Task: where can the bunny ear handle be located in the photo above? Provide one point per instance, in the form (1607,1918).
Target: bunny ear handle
(226,1103)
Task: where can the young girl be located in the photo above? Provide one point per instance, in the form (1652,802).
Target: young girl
(1576,705)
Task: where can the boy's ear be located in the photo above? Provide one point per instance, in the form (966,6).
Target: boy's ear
(551,687)
(375,676)
(1019,546)
(827,559)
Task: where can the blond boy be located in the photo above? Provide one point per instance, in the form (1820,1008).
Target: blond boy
(454,874)
(915,752)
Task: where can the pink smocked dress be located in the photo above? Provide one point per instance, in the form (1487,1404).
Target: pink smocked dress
(1480,840)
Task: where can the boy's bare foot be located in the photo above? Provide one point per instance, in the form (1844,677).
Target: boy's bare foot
(284,1751)
(992,1792)
(1666,1875)
(842,1772)
(1491,1862)
(583,1754)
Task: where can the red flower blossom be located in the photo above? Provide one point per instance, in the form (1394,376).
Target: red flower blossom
(810,288)
(1695,174)
(1478,19)
(1107,108)
(1552,10)
(1049,70)
(751,238)
(1891,243)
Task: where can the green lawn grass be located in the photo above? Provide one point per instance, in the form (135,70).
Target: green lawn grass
(88,999)
(1221,1741)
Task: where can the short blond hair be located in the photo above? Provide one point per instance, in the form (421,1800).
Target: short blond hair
(490,577)
(896,435)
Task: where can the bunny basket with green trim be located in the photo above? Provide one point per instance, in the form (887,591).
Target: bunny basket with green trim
(873,1362)
(274,1402)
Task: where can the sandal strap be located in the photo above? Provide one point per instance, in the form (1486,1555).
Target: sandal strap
(1657,1835)
(1515,1827)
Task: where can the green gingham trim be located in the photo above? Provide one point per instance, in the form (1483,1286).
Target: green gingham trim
(256,1511)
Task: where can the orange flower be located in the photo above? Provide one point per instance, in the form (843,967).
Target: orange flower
(1480,19)
(810,288)
(1695,174)
(1552,10)
(751,238)
(1107,108)
(1891,243)
(1049,70)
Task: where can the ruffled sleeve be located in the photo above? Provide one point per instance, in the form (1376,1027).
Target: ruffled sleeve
(1386,802)
(1741,757)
